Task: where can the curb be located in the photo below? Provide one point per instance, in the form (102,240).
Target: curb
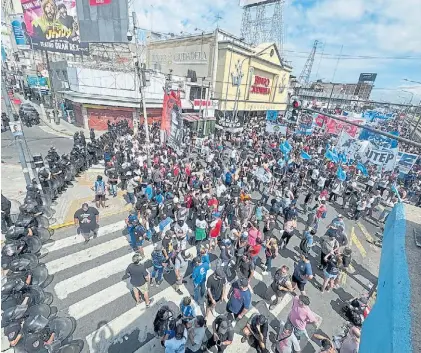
(108,214)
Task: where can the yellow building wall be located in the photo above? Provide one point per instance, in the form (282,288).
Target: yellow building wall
(263,66)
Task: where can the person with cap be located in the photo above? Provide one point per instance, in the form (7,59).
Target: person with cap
(338,221)
(86,219)
(256,332)
(139,279)
(287,342)
(199,277)
(239,301)
(301,315)
(216,290)
(222,334)
(188,310)
(176,344)
(328,245)
(196,335)
(158,262)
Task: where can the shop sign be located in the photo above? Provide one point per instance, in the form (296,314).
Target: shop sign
(260,85)
(197,103)
(228,120)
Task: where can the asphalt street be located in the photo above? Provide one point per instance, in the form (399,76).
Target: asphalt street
(39,139)
(88,285)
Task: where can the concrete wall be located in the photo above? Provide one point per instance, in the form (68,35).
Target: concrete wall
(387,328)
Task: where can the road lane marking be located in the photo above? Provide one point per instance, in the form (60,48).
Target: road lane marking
(357,243)
(78,239)
(365,232)
(94,252)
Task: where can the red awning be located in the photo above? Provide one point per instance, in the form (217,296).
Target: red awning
(194,117)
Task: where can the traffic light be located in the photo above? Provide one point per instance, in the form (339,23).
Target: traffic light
(296,106)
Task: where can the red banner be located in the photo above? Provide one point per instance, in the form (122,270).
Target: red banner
(99,2)
(335,127)
(171,99)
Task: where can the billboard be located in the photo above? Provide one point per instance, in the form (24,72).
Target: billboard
(52,25)
(18,25)
(172,121)
(244,3)
(367,77)
(103,21)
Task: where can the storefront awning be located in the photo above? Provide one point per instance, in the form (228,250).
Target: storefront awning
(195,117)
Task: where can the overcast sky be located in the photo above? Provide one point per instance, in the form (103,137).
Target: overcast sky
(382,36)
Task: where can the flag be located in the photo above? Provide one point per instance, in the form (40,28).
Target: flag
(363,169)
(341,174)
(331,156)
(305,155)
(285,147)
(342,158)
(395,190)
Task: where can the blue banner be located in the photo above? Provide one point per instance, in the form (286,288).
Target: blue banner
(305,155)
(341,174)
(272,115)
(363,169)
(305,129)
(406,161)
(374,114)
(332,156)
(379,140)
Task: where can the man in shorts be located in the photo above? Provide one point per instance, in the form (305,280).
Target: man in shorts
(86,219)
(302,273)
(139,279)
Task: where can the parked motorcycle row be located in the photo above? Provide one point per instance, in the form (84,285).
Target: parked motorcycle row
(29,321)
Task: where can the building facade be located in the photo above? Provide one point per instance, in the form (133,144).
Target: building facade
(222,72)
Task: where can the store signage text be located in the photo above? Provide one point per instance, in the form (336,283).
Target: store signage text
(181,57)
(260,85)
(203,103)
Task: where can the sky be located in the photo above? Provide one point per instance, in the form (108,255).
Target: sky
(381,36)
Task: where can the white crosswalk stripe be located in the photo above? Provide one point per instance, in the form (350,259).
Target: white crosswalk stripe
(76,294)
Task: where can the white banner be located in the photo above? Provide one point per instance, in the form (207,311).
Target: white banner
(275,128)
(350,146)
(386,157)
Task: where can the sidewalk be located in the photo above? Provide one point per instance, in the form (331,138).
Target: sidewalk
(14,188)
(64,127)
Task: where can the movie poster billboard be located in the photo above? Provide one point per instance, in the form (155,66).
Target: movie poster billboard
(52,25)
(172,121)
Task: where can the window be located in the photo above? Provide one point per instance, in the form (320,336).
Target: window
(195,92)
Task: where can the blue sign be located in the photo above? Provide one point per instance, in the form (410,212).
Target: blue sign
(35,81)
(406,161)
(272,115)
(18,31)
(374,114)
(305,129)
(379,140)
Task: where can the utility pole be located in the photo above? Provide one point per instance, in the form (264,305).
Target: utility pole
(140,68)
(18,139)
(53,92)
(330,97)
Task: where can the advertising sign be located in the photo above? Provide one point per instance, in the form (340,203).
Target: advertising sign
(52,25)
(103,21)
(406,161)
(229,121)
(35,81)
(260,85)
(367,77)
(18,25)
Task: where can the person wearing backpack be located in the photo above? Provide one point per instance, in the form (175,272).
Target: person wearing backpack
(280,286)
(100,189)
(239,302)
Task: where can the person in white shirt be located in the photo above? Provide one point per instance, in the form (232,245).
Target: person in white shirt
(314,176)
(321,182)
(220,189)
(176,344)
(351,342)
(287,340)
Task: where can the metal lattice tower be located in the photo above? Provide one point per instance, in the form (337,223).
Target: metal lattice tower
(263,22)
(305,74)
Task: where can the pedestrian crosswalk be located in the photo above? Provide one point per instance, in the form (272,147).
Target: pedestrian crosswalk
(88,286)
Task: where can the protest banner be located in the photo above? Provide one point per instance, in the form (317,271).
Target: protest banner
(333,126)
(379,140)
(384,157)
(405,161)
(350,146)
(272,128)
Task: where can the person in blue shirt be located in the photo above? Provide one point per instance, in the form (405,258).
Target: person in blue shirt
(132,221)
(149,191)
(188,312)
(228,178)
(302,273)
(239,299)
(338,221)
(199,277)
(159,198)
